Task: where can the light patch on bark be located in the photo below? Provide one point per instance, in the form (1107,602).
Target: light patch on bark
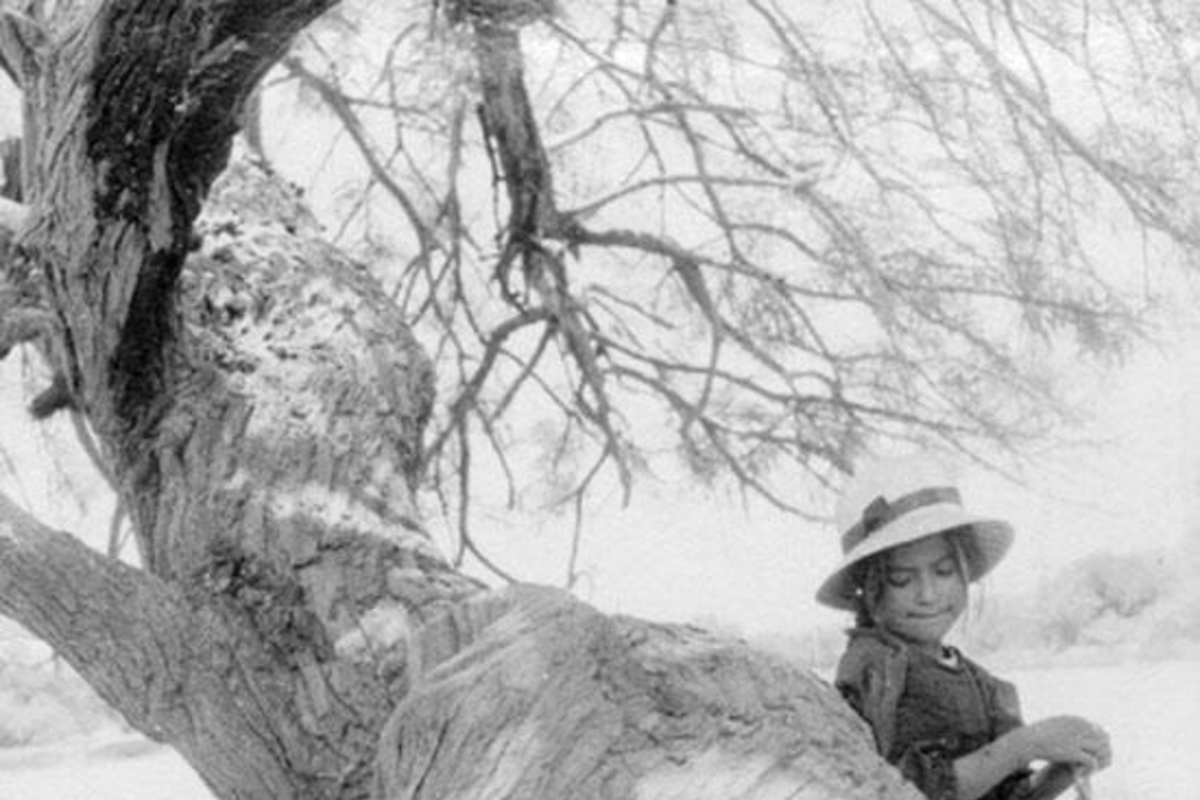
(340,389)
(319,333)
(720,775)
(12,216)
(380,629)
(8,532)
(336,508)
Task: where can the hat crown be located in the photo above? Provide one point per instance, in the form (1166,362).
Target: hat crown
(891,479)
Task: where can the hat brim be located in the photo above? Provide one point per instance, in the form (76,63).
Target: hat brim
(987,541)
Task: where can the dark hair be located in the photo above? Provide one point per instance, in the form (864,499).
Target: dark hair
(869,578)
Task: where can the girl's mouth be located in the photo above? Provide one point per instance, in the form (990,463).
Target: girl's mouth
(927,615)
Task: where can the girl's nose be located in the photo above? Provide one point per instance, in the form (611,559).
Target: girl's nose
(926,591)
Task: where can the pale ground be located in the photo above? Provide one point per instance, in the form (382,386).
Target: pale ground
(1152,711)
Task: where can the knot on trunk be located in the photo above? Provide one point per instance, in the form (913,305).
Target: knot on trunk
(269,599)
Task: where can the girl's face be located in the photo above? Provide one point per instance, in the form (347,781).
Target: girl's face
(924,592)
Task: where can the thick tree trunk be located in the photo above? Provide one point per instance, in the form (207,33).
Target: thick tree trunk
(260,404)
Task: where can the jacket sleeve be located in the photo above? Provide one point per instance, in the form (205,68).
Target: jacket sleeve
(870,677)
(1005,707)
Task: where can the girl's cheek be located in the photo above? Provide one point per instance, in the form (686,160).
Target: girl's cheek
(958,591)
(891,600)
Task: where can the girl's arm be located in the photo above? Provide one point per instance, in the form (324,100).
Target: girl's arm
(977,772)
(1069,741)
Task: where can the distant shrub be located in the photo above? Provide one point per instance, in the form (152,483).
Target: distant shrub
(43,702)
(1099,586)
(998,624)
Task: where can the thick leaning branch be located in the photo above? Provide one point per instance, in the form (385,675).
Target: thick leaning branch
(109,605)
(189,673)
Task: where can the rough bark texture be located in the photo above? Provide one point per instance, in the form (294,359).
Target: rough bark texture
(553,699)
(260,403)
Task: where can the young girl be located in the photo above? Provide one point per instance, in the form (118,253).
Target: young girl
(954,730)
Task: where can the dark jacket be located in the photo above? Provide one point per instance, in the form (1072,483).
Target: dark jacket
(924,713)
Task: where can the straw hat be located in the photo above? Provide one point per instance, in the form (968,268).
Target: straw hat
(892,502)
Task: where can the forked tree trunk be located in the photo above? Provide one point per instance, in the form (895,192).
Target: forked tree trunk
(260,404)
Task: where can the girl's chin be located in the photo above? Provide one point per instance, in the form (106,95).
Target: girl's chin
(923,630)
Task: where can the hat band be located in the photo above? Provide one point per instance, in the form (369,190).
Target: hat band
(880,512)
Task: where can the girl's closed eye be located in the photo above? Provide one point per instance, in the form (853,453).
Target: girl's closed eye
(946,569)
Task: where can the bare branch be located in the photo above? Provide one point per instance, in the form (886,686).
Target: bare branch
(806,243)
(1146,203)
(466,540)
(468,398)
(143,646)
(337,102)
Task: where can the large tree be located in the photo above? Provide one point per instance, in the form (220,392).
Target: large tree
(848,237)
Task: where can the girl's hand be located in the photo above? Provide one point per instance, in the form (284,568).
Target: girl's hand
(1071,740)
